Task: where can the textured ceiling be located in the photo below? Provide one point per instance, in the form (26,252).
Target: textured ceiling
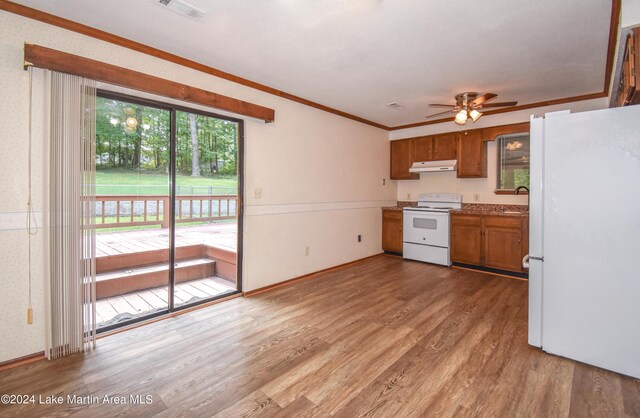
(358,55)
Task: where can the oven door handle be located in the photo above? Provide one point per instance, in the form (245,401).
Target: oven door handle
(426,212)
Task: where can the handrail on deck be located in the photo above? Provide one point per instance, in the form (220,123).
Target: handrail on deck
(151,209)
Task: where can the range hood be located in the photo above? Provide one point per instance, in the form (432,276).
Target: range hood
(429,166)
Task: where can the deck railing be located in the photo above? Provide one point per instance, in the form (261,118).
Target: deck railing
(141,210)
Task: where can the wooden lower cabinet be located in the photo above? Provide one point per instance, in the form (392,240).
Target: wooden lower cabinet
(392,230)
(503,242)
(466,240)
(493,241)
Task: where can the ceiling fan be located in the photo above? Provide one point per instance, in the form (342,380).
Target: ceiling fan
(469,105)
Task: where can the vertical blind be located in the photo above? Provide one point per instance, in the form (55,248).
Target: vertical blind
(71,283)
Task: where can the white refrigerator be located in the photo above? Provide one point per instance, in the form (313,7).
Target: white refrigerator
(584,249)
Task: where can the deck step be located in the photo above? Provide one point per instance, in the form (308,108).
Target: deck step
(134,305)
(120,282)
(147,258)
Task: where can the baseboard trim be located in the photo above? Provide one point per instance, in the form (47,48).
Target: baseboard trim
(10,364)
(274,286)
(493,272)
(393,253)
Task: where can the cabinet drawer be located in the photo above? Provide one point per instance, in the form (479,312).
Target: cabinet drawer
(392,215)
(465,220)
(497,221)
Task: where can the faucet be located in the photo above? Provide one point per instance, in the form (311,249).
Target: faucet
(517,191)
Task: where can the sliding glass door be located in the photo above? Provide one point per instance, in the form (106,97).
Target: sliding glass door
(167,214)
(206,213)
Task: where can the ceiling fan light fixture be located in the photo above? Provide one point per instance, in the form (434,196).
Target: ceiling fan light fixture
(461,117)
(475,115)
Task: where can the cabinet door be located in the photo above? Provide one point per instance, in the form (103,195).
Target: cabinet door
(392,230)
(466,239)
(401,160)
(423,149)
(627,79)
(503,243)
(444,147)
(634,67)
(472,155)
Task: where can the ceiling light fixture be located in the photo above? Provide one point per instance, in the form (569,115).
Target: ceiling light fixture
(461,117)
(468,105)
(475,115)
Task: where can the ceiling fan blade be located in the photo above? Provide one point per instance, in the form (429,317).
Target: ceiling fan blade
(484,98)
(501,104)
(441,105)
(440,113)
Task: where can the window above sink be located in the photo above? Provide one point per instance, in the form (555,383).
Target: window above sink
(513,162)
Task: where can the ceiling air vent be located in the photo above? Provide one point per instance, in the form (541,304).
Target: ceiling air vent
(394,105)
(181,7)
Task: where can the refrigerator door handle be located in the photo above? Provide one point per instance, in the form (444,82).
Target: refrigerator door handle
(525,261)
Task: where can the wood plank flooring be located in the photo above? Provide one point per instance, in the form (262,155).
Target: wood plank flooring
(384,337)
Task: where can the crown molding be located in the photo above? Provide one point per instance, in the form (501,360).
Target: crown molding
(48,18)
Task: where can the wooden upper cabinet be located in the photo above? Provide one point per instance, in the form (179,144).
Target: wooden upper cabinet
(444,146)
(472,155)
(437,147)
(628,89)
(503,242)
(392,230)
(466,239)
(423,149)
(402,159)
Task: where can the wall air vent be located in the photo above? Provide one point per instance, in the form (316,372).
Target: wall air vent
(181,7)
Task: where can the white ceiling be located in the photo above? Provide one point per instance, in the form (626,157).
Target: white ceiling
(358,55)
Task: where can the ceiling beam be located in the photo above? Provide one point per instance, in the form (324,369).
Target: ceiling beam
(51,59)
(616,6)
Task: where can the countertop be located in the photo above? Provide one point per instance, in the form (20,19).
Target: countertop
(476,209)
(401,205)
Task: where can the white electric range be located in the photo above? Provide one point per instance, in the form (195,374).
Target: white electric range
(426,228)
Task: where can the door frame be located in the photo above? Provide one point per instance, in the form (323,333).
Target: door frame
(173,109)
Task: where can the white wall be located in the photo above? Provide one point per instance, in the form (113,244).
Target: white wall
(448,182)
(320,174)
(630,13)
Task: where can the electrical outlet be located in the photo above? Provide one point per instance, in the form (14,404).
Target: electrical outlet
(408,196)
(476,197)
(384,182)
(306,250)
(359,238)
(257,193)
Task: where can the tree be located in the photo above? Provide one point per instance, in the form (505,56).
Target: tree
(195,159)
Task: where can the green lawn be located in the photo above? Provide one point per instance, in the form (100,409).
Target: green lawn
(118,181)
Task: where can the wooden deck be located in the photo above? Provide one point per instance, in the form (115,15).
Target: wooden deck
(220,235)
(134,305)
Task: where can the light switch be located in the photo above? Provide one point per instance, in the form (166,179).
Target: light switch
(257,193)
